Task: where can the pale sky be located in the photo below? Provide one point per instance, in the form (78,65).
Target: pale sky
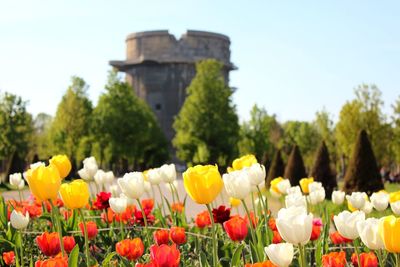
(294,57)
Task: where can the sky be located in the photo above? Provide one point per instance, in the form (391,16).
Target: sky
(294,58)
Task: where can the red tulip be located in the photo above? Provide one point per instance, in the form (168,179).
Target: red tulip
(49,243)
(91,229)
(203,219)
(276,239)
(161,237)
(178,235)
(254,219)
(338,239)
(147,205)
(132,249)
(150,264)
(165,256)
(316,229)
(272,224)
(334,259)
(366,259)
(9,257)
(101,202)
(236,228)
(177,207)
(69,243)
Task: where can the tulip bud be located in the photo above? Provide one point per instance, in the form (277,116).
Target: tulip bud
(367,208)
(62,164)
(178,235)
(256,174)
(314,186)
(280,254)
(294,225)
(295,200)
(109,177)
(237,184)
(15,179)
(18,220)
(338,197)
(155,176)
(369,234)
(89,169)
(304,184)
(168,173)
(395,206)
(132,184)
(294,190)
(316,196)
(100,177)
(380,201)
(357,199)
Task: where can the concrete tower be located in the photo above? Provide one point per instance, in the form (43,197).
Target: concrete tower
(160,68)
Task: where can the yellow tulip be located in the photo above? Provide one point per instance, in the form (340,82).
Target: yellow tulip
(240,163)
(44,182)
(304,184)
(75,195)
(394,197)
(203,183)
(234,202)
(62,164)
(389,229)
(274,184)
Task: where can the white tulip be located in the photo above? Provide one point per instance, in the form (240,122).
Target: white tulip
(338,197)
(18,220)
(168,173)
(15,179)
(100,177)
(36,164)
(89,169)
(129,201)
(357,199)
(274,194)
(115,190)
(109,177)
(380,201)
(147,187)
(237,184)
(155,176)
(316,196)
(280,254)
(367,208)
(395,206)
(283,186)
(295,200)
(294,225)
(118,204)
(314,186)
(346,222)
(256,174)
(21,185)
(132,184)
(369,234)
(294,190)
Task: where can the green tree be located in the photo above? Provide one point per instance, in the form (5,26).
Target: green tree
(326,129)
(364,112)
(259,135)
(207,129)
(72,121)
(396,131)
(16,132)
(41,137)
(126,130)
(295,170)
(305,135)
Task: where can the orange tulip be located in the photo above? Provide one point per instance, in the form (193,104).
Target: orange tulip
(177,235)
(177,207)
(49,243)
(236,228)
(366,259)
(261,264)
(334,259)
(132,249)
(161,237)
(203,219)
(57,261)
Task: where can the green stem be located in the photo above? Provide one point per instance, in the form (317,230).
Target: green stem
(21,250)
(253,236)
(215,249)
(355,243)
(162,199)
(176,191)
(86,237)
(264,213)
(57,222)
(380,258)
(397,257)
(20,195)
(121,226)
(302,256)
(145,221)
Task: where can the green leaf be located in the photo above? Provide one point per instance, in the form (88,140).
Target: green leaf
(2,240)
(73,257)
(203,260)
(236,255)
(108,258)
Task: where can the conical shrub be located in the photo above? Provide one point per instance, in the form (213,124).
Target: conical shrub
(322,171)
(276,169)
(295,169)
(362,173)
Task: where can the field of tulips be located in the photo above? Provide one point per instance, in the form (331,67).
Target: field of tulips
(98,220)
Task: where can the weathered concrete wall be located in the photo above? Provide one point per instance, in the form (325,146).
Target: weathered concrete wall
(160,68)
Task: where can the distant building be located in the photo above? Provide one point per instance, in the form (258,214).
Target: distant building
(160,68)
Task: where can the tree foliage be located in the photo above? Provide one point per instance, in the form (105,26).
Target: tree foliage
(259,135)
(364,112)
(207,129)
(295,169)
(277,168)
(326,129)
(72,120)
(363,174)
(16,131)
(41,137)
(126,130)
(396,130)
